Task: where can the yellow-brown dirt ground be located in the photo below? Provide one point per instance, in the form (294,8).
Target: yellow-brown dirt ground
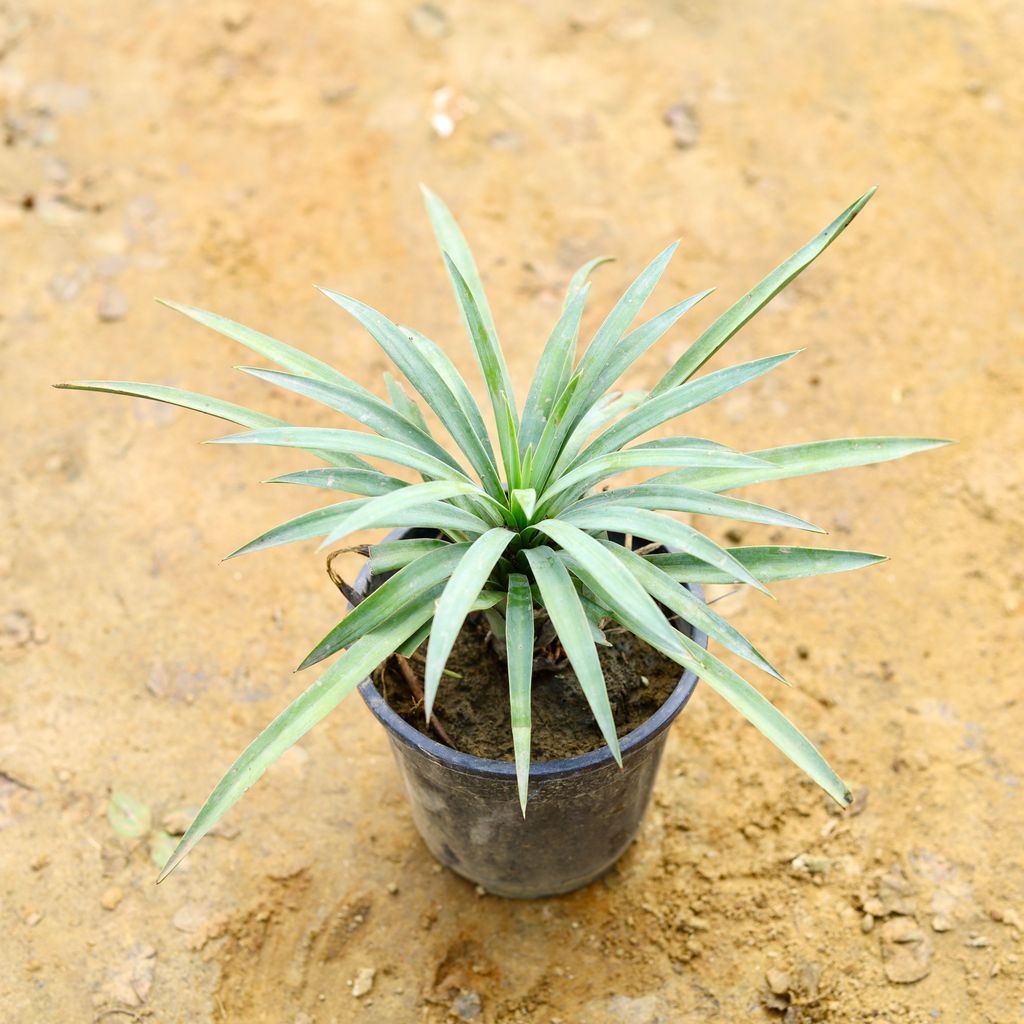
(231,155)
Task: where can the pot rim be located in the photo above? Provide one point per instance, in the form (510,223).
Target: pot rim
(470,764)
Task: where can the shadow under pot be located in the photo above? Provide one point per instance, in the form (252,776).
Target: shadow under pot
(582,813)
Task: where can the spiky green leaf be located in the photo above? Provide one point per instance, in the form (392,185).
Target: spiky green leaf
(415,581)
(456,384)
(676,498)
(805,459)
(352,481)
(322,521)
(202,403)
(183,399)
(489,357)
(580,280)
(769,564)
(316,523)
(601,413)
(600,350)
(365,409)
(563,606)
(766,718)
(422,374)
(553,436)
(587,473)
(393,554)
(519,657)
(679,600)
(338,440)
(277,351)
(636,343)
(755,300)
(403,404)
(661,529)
(758,710)
(611,582)
(452,242)
(683,399)
(466,582)
(548,378)
(381,511)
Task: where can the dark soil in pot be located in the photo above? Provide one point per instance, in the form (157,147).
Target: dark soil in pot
(474,711)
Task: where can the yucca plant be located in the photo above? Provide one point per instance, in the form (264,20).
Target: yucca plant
(523,530)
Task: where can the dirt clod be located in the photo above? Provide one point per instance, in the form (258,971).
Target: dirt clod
(111,897)
(131,980)
(906,950)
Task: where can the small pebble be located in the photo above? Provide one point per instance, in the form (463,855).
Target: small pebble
(64,287)
(778,981)
(336,91)
(363,983)
(392,889)
(111,898)
(113,306)
(505,140)
(429,22)
(867,922)
(15,629)
(466,1005)
(110,265)
(56,170)
(682,120)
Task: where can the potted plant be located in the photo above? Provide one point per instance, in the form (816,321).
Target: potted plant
(541,575)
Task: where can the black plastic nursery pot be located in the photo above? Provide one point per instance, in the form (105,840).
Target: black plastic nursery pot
(582,814)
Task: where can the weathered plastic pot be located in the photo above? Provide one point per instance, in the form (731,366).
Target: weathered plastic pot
(583,812)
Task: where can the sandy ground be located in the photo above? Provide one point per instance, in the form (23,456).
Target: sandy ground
(233,154)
